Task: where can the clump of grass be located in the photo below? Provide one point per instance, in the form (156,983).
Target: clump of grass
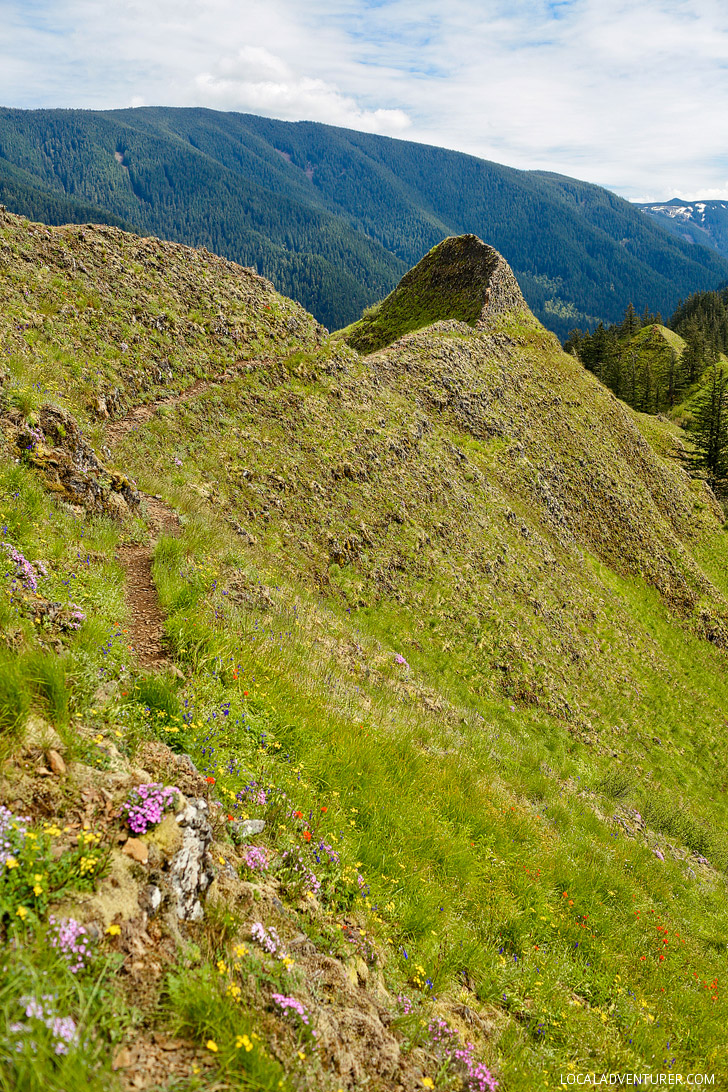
(14,696)
(45,674)
(209,1016)
(58,1030)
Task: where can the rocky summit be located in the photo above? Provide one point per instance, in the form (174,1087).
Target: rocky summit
(362,695)
(461,279)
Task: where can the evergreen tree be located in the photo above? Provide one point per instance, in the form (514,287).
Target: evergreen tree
(710,429)
(630,323)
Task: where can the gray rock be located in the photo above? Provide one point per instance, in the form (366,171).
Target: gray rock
(150,899)
(245,828)
(191,870)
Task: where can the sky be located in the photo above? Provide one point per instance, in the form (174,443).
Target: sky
(630,95)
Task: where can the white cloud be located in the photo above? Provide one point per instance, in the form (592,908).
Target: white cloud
(257,81)
(627,94)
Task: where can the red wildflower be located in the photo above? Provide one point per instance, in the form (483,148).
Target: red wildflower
(307,835)
(245,693)
(210,780)
(231,818)
(298,815)
(324,809)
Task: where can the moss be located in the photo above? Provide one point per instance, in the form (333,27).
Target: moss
(453,281)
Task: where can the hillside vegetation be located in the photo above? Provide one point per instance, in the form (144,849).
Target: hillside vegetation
(430,709)
(335,217)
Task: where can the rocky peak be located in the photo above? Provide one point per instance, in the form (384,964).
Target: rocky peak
(461,278)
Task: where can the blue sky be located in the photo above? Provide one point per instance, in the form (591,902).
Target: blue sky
(632,96)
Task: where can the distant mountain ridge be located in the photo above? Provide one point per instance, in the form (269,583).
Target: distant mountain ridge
(335,217)
(704,223)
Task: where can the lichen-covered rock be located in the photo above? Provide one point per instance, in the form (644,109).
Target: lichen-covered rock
(191,871)
(55,445)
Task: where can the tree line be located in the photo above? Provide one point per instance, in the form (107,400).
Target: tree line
(654,372)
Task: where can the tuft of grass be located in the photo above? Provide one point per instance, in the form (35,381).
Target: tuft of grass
(14,696)
(46,677)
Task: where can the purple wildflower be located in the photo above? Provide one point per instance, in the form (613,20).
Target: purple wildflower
(267,938)
(292,1003)
(147,804)
(72,940)
(256,858)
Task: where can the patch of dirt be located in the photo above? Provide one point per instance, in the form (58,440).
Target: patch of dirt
(146,625)
(155,1061)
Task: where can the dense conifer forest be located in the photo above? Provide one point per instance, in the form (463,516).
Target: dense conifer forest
(335,217)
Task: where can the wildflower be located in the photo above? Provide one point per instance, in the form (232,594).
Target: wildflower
(307,835)
(147,804)
(10,862)
(22,913)
(113,930)
(243,1041)
(210,780)
(267,938)
(72,940)
(212,1045)
(298,815)
(256,859)
(427,1082)
(292,1003)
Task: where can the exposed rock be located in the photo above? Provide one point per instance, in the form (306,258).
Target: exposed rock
(245,828)
(461,279)
(136,849)
(55,445)
(38,733)
(150,899)
(191,871)
(56,763)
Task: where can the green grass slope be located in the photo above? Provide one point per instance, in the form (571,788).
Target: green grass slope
(450,609)
(335,217)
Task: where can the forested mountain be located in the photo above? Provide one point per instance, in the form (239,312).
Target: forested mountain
(701,222)
(651,366)
(334,217)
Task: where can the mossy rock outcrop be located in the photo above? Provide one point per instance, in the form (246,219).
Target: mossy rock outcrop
(461,278)
(55,445)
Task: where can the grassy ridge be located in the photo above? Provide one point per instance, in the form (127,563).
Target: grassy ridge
(461,607)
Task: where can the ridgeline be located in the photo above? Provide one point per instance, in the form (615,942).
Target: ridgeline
(363,712)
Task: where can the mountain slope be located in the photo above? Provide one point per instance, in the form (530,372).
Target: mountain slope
(448,622)
(335,217)
(704,223)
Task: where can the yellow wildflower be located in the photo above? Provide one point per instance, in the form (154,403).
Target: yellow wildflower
(427,1082)
(113,930)
(243,1041)
(10,862)
(22,913)
(211,1045)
